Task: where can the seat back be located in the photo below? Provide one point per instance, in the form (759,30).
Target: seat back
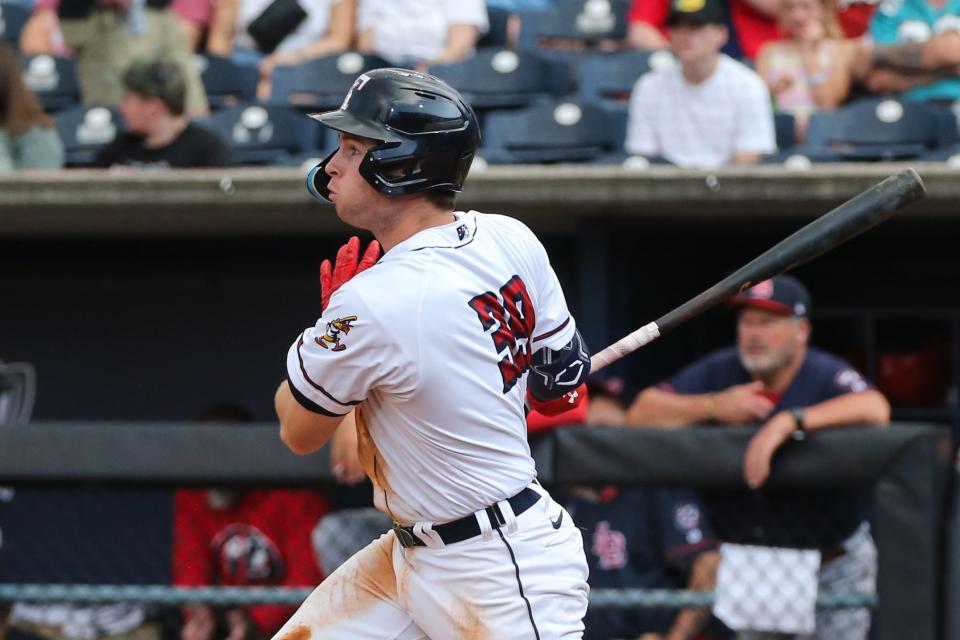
(609,77)
(226,82)
(500,78)
(587,21)
(882,129)
(84,130)
(258,134)
(18,383)
(320,84)
(53,79)
(556,131)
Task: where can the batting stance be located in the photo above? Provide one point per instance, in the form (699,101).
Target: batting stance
(442,332)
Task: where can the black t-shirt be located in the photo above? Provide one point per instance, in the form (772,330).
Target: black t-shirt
(194,147)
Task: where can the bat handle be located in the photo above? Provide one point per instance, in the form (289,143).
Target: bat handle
(623,346)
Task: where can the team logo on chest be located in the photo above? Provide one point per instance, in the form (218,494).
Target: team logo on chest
(335,329)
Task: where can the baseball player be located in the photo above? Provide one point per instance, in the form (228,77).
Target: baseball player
(443,332)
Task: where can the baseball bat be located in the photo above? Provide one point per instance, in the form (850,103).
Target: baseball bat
(864,211)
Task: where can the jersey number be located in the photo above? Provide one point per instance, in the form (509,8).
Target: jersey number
(510,319)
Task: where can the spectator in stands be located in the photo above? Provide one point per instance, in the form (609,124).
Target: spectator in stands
(279,32)
(230,537)
(420,33)
(914,49)
(811,69)
(104,35)
(772,377)
(751,22)
(28,137)
(707,111)
(159,134)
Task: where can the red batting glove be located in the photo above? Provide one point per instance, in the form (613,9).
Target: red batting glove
(347,266)
(567,402)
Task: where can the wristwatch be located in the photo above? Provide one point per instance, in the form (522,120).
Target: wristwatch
(798,417)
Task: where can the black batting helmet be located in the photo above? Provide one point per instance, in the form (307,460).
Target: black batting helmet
(427,133)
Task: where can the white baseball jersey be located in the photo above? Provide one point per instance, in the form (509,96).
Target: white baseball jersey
(434,340)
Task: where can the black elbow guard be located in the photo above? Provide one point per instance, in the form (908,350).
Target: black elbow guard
(554,373)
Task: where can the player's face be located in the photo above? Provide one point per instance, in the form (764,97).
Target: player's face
(769,341)
(355,200)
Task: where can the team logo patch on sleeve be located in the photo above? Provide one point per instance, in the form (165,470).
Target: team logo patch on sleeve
(336,328)
(851,379)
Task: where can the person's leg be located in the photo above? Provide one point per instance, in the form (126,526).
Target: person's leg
(166,38)
(523,581)
(357,601)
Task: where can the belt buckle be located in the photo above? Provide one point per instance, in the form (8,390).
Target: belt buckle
(405,538)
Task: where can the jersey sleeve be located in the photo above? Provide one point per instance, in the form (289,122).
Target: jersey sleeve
(653,12)
(839,378)
(472,12)
(755,131)
(334,365)
(554,325)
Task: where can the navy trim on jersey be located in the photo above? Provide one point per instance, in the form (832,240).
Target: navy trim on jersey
(309,404)
(476,227)
(544,336)
(316,386)
(516,567)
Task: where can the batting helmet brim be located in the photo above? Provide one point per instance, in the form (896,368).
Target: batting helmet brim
(346,122)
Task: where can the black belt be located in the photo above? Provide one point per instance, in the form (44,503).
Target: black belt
(467,527)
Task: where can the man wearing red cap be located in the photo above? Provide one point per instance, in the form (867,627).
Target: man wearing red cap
(773,378)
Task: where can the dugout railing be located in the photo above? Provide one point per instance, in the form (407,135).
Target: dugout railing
(908,466)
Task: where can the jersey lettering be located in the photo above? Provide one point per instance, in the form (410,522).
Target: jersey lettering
(510,319)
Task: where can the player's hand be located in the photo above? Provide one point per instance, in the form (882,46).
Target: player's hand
(762,446)
(348,264)
(566,402)
(742,404)
(200,623)
(344,455)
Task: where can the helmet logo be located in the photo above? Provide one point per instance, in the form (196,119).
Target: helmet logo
(357,86)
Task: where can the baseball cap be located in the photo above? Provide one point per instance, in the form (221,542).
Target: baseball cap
(161,79)
(700,12)
(781,294)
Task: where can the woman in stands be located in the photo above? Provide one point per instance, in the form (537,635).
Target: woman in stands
(811,68)
(28,137)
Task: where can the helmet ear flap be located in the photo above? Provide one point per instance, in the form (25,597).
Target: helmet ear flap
(318,180)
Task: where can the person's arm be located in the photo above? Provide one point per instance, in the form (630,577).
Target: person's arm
(338,38)
(302,430)
(223,27)
(461,40)
(643,35)
(769,8)
(746,157)
(703,577)
(739,404)
(39,33)
(940,51)
(868,407)
(829,85)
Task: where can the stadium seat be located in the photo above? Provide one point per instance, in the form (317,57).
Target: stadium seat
(18,383)
(500,78)
(259,134)
(86,129)
(53,79)
(586,21)
(556,131)
(879,129)
(226,82)
(12,18)
(321,83)
(609,77)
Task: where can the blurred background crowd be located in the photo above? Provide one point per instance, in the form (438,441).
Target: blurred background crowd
(702,83)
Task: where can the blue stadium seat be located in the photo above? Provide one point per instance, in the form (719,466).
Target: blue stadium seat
(13,16)
(53,79)
(556,131)
(321,83)
(609,77)
(879,129)
(84,130)
(587,21)
(259,134)
(500,78)
(225,81)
